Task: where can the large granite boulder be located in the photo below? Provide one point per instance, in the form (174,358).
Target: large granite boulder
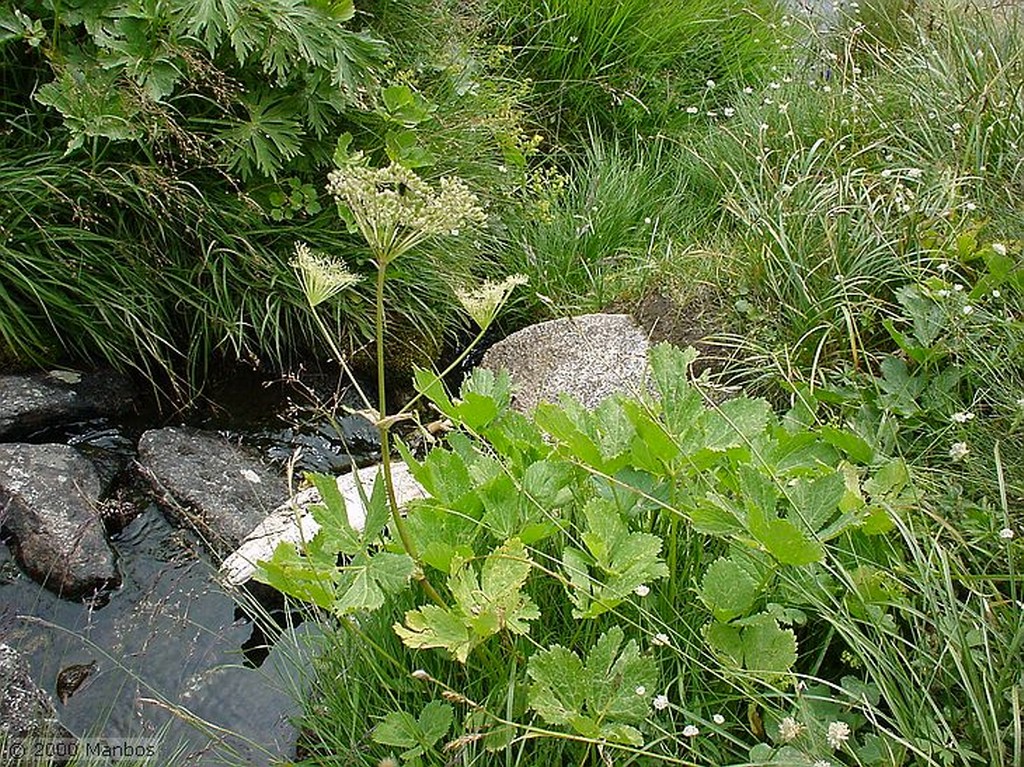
(31,402)
(27,713)
(212,485)
(49,507)
(588,357)
(292,521)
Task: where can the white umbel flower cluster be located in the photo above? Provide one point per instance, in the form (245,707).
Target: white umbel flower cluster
(484,302)
(322,277)
(395,210)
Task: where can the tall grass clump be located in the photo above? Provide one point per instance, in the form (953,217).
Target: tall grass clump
(163,245)
(600,230)
(637,64)
(839,181)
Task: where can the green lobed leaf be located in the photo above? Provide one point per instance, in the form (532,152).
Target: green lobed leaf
(402,730)
(436,626)
(727,590)
(757,645)
(291,573)
(816,501)
(735,423)
(599,697)
(620,561)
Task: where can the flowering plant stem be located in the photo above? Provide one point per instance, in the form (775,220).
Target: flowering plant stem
(383,426)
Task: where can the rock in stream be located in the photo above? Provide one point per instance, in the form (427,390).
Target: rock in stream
(49,496)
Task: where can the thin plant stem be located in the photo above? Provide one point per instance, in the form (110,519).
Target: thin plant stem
(385,441)
(329,337)
(444,373)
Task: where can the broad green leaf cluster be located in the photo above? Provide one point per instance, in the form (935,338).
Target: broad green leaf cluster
(570,516)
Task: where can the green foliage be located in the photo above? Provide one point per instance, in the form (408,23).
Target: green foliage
(615,563)
(565,519)
(249,81)
(484,605)
(312,573)
(600,696)
(415,734)
(637,64)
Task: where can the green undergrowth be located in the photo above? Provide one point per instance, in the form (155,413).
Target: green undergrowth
(662,580)
(637,65)
(160,163)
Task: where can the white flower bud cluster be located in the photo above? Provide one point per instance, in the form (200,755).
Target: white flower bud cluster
(483,303)
(321,276)
(395,210)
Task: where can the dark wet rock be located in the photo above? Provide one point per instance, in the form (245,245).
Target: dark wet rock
(214,486)
(588,357)
(32,402)
(325,447)
(49,498)
(26,711)
(72,677)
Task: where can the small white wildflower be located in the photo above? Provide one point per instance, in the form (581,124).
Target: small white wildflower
(420,674)
(789,729)
(692,110)
(958,451)
(710,83)
(958,288)
(395,210)
(660,702)
(968,309)
(774,86)
(999,248)
(484,303)
(691,731)
(943,293)
(962,417)
(661,640)
(996,294)
(642,590)
(647,220)
(763,127)
(838,733)
(1006,534)
(640,690)
(321,277)
(943,267)
(251,476)
(728,111)
(718,719)
(971,206)
(748,90)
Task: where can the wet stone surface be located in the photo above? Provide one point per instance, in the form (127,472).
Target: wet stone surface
(49,511)
(26,711)
(218,489)
(168,641)
(31,402)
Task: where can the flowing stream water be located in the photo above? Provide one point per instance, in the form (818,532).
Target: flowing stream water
(176,656)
